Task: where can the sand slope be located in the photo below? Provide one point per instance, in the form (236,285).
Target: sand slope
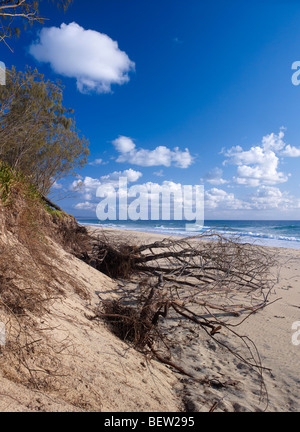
(98,371)
(101,373)
(270,329)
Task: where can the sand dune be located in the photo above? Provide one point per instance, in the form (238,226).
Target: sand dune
(101,373)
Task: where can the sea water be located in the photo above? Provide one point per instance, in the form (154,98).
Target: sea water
(266,233)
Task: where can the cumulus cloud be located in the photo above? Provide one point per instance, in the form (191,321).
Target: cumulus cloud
(88,186)
(165,200)
(124,144)
(216,199)
(158,201)
(219,199)
(159,156)
(265,198)
(274,141)
(131,175)
(214,177)
(97,162)
(260,165)
(290,151)
(85,206)
(93,58)
(268,197)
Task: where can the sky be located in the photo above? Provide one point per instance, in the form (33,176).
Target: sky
(178,93)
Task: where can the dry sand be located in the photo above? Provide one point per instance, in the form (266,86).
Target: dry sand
(270,329)
(97,371)
(101,373)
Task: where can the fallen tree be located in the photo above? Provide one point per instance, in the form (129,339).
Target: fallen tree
(209,281)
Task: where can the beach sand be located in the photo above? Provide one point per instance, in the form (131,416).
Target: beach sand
(101,373)
(271,331)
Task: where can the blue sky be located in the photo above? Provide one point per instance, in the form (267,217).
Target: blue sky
(179,92)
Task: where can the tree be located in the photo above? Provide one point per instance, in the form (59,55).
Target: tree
(25,11)
(38,135)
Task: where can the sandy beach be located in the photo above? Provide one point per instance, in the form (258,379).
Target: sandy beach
(96,371)
(271,331)
(149,208)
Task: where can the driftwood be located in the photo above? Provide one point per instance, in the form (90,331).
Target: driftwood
(207,281)
(189,266)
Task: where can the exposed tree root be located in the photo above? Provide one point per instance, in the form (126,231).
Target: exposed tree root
(208,281)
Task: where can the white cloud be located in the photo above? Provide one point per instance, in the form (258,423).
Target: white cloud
(85,206)
(290,151)
(274,142)
(214,177)
(57,186)
(259,165)
(216,200)
(149,193)
(159,156)
(88,183)
(219,199)
(265,198)
(262,173)
(93,58)
(88,186)
(268,197)
(97,162)
(124,144)
(131,175)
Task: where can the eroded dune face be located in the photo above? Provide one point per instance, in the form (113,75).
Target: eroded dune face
(54,357)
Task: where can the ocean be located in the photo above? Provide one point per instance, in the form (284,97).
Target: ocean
(284,234)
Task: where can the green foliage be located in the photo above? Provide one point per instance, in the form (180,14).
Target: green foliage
(38,136)
(22,12)
(6,181)
(53,212)
(10,179)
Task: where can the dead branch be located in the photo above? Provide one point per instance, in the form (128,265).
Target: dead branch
(207,281)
